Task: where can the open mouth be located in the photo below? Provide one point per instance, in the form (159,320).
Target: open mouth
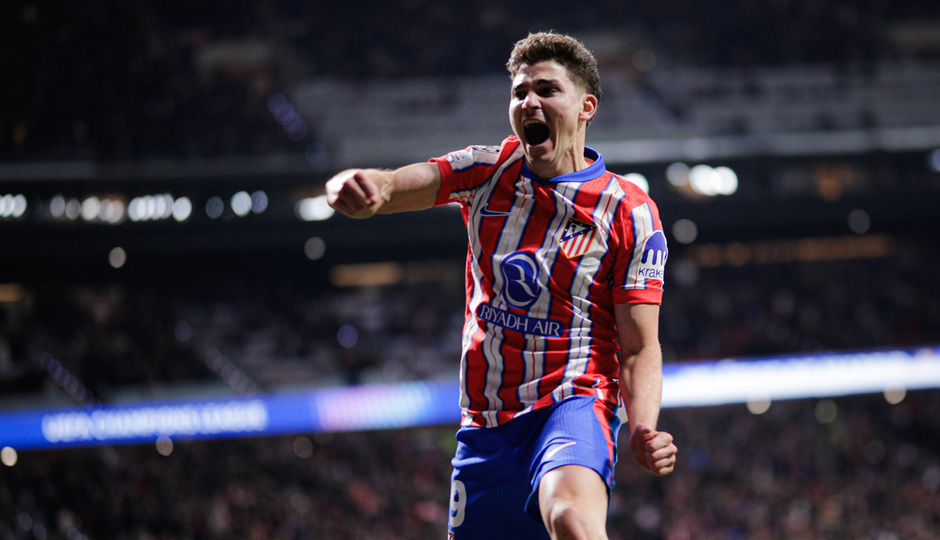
(536,132)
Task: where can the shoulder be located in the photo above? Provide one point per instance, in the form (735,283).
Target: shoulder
(636,212)
(633,197)
(481,155)
(633,194)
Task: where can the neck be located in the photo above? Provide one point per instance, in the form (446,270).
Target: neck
(565,162)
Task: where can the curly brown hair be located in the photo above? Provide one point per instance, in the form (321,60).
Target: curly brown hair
(566,50)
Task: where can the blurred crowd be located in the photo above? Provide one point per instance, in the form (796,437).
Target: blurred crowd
(104,80)
(441,38)
(812,469)
(108,80)
(758,310)
(851,467)
(346,486)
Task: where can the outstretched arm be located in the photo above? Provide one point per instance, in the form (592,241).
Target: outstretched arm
(362,193)
(641,383)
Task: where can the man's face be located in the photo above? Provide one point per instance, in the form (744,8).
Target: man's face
(548,113)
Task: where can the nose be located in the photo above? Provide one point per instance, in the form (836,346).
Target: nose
(531,101)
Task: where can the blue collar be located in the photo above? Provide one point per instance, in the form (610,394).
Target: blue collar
(591,172)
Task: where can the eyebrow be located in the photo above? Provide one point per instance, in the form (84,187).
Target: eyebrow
(538,82)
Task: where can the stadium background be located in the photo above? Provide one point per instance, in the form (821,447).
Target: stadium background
(163,239)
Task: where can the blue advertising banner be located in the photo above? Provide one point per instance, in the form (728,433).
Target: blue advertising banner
(330,409)
(422,403)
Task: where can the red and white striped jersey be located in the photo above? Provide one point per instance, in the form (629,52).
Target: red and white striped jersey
(547,261)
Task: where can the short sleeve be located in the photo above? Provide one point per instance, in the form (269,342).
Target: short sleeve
(463,171)
(639,272)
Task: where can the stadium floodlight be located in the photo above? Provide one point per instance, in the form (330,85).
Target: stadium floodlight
(57,206)
(859,221)
(726,181)
(259,201)
(678,174)
(704,179)
(685,231)
(215,207)
(112,211)
(73,209)
(117,257)
(150,207)
(314,209)
(19,205)
(91,207)
(315,248)
(8,456)
(241,203)
(12,206)
(934,160)
(182,209)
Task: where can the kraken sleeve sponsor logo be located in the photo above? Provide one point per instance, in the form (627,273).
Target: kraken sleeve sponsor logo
(653,261)
(521,286)
(520,323)
(459,160)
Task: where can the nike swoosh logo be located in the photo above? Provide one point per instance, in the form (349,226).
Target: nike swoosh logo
(559,448)
(486,212)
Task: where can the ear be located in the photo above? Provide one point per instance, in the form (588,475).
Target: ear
(588,107)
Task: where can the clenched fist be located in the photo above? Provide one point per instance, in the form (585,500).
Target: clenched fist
(358,193)
(653,450)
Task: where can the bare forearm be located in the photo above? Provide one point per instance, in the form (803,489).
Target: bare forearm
(413,187)
(641,382)
(362,193)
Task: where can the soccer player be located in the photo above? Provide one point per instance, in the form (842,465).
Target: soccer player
(564,281)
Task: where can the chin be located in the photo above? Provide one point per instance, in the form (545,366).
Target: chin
(539,153)
(543,151)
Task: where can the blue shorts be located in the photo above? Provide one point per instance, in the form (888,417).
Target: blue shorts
(494,486)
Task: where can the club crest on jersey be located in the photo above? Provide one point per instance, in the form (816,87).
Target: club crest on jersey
(521,279)
(653,261)
(577,238)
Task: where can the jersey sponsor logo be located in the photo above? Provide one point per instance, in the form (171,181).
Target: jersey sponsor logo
(577,238)
(521,286)
(653,261)
(520,323)
(460,160)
